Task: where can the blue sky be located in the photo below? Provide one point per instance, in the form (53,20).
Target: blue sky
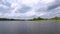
(26,9)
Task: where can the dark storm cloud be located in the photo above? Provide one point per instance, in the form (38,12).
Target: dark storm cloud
(54,5)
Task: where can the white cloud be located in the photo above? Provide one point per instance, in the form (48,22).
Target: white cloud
(30,2)
(1,5)
(29,14)
(37,8)
(47,1)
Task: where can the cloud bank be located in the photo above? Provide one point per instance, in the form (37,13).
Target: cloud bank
(25,9)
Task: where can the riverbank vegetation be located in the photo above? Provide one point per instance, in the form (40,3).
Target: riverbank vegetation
(34,19)
(38,18)
(55,18)
(10,19)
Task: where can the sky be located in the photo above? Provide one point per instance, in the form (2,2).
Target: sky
(26,9)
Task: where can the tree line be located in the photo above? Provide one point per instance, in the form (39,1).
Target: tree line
(38,18)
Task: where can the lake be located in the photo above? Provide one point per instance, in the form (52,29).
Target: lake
(29,27)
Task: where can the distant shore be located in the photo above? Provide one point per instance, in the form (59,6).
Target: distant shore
(34,19)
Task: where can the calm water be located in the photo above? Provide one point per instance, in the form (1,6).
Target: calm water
(29,27)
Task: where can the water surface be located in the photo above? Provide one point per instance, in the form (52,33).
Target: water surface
(29,27)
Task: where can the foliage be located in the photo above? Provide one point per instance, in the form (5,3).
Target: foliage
(38,18)
(55,18)
(34,19)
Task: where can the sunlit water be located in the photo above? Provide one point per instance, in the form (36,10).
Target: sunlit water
(29,27)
